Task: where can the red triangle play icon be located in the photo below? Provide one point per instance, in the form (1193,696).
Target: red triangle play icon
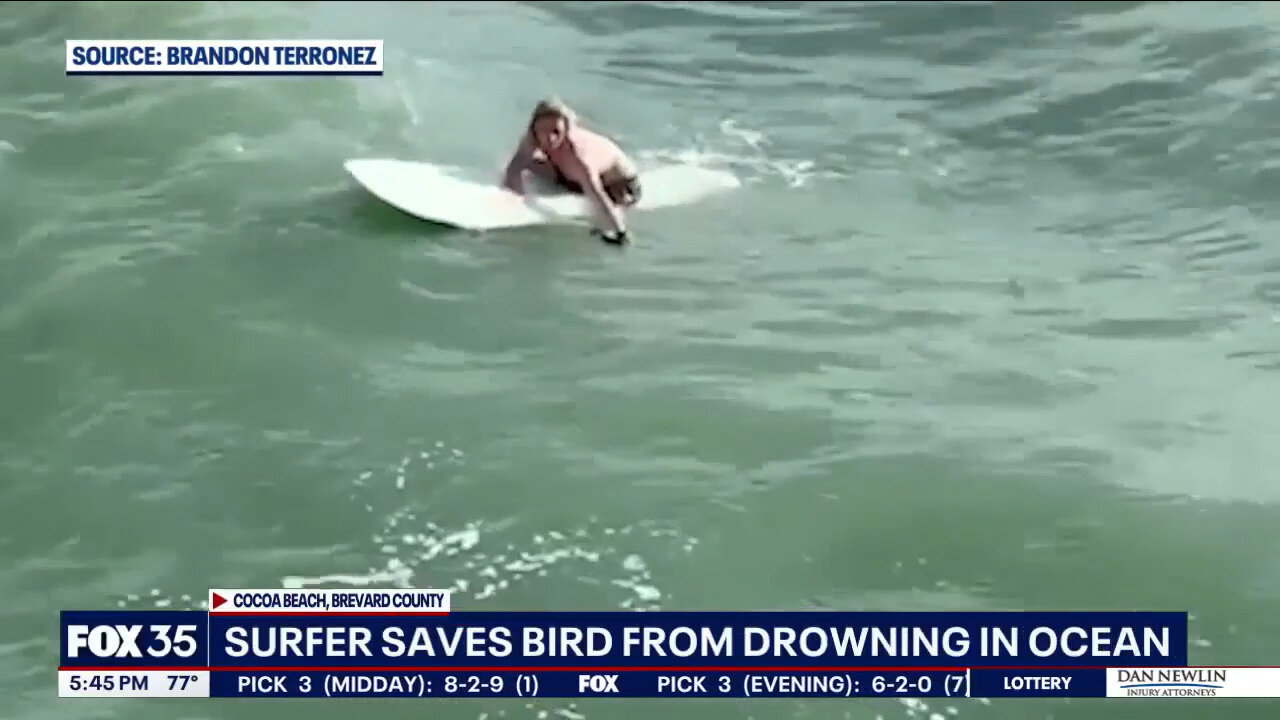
(218,600)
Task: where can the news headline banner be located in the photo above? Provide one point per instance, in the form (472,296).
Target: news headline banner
(616,639)
(224,57)
(413,638)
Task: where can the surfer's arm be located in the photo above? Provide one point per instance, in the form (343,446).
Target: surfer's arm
(595,188)
(513,178)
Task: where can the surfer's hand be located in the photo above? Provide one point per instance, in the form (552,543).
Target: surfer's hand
(618,237)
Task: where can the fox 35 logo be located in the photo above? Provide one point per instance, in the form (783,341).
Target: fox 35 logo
(131,641)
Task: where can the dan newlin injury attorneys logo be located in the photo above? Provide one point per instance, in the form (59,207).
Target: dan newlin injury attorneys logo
(224,57)
(1193,682)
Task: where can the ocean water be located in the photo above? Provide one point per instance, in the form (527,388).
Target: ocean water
(993,323)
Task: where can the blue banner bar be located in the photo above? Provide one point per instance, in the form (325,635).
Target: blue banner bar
(722,639)
(619,641)
(1079,683)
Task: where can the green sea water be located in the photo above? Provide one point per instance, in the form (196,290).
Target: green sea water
(994,323)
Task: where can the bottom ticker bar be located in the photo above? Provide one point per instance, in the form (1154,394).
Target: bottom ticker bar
(599,683)
(623,683)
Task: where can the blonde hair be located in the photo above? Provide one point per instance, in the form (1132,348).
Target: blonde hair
(552,107)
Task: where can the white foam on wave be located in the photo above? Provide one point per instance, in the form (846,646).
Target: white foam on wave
(743,150)
(485,566)
(482,562)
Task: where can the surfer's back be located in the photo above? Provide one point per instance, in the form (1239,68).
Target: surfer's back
(601,152)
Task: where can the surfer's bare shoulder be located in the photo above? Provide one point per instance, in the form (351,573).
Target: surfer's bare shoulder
(600,153)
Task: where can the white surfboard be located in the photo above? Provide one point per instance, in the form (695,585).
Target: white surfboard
(432,193)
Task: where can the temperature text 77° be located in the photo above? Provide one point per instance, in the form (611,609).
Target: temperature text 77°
(180,682)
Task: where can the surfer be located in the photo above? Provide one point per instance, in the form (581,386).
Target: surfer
(557,148)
